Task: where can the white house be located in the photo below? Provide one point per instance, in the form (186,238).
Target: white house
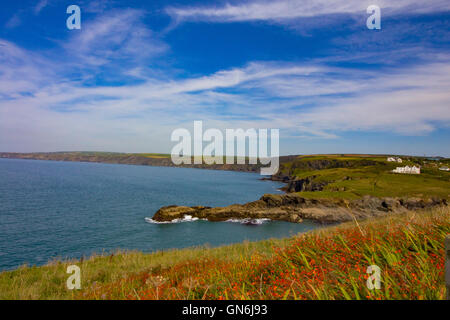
(444,169)
(407,170)
(394,159)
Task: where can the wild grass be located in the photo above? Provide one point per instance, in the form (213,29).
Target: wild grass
(329,263)
(49,281)
(351,177)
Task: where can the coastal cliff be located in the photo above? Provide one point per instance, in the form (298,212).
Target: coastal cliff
(294,208)
(143,159)
(324,188)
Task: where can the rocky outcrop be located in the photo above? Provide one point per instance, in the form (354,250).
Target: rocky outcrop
(294,208)
(306,184)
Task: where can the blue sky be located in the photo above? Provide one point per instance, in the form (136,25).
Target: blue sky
(137,70)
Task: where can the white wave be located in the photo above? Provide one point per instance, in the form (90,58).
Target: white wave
(186,218)
(249,221)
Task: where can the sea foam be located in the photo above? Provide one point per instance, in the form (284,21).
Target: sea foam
(249,221)
(186,218)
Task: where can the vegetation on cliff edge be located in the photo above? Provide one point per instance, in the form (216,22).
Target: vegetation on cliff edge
(352,177)
(329,263)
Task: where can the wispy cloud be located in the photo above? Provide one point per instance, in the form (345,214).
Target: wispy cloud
(118,35)
(17,19)
(307,99)
(13,22)
(97,6)
(54,101)
(293,9)
(410,102)
(40,6)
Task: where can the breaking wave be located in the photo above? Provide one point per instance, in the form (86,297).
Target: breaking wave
(249,221)
(186,218)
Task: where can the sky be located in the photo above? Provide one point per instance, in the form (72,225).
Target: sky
(137,70)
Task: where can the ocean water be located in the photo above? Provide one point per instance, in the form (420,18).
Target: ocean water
(51,209)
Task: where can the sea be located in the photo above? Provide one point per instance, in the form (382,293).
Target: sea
(61,210)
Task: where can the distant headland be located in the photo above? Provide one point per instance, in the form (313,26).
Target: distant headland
(325,188)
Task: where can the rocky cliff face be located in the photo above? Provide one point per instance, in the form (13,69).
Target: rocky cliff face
(306,184)
(294,208)
(287,175)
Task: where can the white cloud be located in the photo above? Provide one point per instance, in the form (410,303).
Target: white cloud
(312,100)
(97,6)
(43,107)
(117,35)
(22,71)
(40,6)
(293,9)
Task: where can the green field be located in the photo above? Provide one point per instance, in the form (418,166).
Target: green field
(353,176)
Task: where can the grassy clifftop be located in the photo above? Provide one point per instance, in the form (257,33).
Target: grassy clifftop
(329,263)
(353,176)
(347,176)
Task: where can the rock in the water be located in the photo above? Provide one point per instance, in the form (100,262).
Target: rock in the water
(293,208)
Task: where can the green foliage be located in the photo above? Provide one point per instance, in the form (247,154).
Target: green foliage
(329,263)
(352,177)
(49,281)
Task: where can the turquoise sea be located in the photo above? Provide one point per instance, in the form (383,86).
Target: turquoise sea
(51,209)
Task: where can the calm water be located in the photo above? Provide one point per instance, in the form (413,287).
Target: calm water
(52,209)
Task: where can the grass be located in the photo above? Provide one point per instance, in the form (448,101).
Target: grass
(152,155)
(351,177)
(49,281)
(329,263)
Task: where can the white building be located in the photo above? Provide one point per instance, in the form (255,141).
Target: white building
(444,169)
(407,170)
(394,159)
